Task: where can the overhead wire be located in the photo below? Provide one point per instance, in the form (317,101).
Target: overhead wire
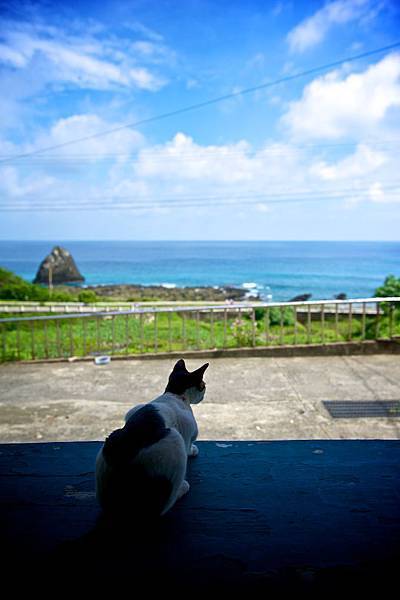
(176,154)
(195,202)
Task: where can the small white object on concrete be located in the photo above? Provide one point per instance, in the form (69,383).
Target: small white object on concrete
(102,360)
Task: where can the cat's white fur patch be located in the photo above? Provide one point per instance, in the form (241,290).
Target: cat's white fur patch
(167,457)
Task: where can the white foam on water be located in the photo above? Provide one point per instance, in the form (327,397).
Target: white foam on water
(249,286)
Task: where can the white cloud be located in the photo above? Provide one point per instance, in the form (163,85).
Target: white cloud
(11,56)
(69,173)
(185,159)
(182,169)
(88,60)
(263,208)
(143,30)
(313,30)
(278,9)
(377,193)
(366,174)
(364,161)
(154,53)
(14,185)
(336,106)
(121,142)
(230,178)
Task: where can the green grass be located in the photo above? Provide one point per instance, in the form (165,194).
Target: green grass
(62,338)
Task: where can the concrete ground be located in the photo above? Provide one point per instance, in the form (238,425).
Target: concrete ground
(246,399)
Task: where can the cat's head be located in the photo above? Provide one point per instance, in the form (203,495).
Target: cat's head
(186,383)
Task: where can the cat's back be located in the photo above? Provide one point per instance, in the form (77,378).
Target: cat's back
(142,429)
(137,465)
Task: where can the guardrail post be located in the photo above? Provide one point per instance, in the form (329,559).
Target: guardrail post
(58,339)
(18,342)
(184,331)
(225,327)
(322,324)
(281,326)
(266,317)
(212,328)
(240,325)
(253,326)
(308,324)
(71,339)
(155,331)
(197,330)
(112,334)
(169,331)
(336,322)
(46,341)
(3,342)
(98,334)
(33,349)
(378,308)
(141,328)
(390,320)
(84,325)
(363,325)
(126,333)
(350,321)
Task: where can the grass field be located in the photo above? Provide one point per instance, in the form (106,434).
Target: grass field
(173,331)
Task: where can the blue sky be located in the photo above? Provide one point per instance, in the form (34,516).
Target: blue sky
(311,159)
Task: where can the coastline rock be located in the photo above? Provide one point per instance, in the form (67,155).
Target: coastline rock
(140,293)
(341,296)
(301,298)
(63,268)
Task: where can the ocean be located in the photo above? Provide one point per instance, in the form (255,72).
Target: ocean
(276,270)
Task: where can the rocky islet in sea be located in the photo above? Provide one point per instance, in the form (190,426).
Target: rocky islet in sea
(57,268)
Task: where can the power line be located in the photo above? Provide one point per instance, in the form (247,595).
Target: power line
(206,202)
(212,149)
(271,193)
(156,157)
(210,102)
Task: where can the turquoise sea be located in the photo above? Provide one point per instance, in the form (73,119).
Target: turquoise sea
(278,269)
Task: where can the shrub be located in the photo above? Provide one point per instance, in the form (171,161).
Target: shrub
(87,296)
(58,296)
(390,287)
(24,291)
(275,315)
(242,331)
(8,277)
(13,287)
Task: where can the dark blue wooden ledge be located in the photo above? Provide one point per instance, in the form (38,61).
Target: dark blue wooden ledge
(301,514)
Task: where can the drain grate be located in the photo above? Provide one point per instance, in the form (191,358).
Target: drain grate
(350,409)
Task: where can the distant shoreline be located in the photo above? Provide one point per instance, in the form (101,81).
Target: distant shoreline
(140,293)
(277,271)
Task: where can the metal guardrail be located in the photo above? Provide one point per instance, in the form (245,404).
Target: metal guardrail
(21,307)
(142,330)
(33,308)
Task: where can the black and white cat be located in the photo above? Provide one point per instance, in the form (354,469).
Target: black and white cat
(143,465)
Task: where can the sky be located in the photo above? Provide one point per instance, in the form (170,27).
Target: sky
(88,149)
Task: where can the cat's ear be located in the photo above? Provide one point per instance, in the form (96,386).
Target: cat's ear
(180,365)
(200,372)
